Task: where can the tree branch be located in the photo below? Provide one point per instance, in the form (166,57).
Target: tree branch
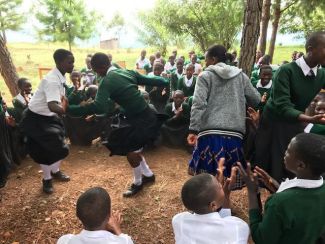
(288,6)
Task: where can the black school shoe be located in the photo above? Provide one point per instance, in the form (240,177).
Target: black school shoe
(134,189)
(47,186)
(148,179)
(60,176)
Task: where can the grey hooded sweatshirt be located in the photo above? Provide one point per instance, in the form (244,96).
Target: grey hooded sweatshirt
(219,101)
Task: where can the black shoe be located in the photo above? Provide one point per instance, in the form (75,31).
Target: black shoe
(47,186)
(60,176)
(134,189)
(148,179)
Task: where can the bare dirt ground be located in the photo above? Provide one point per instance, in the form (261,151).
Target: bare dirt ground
(29,216)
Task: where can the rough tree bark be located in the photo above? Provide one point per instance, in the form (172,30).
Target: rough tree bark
(7,68)
(264,24)
(251,30)
(275,26)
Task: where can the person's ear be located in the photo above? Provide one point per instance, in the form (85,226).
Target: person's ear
(301,165)
(309,50)
(214,206)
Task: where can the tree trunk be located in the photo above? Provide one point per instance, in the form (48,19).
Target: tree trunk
(264,24)
(7,69)
(275,26)
(251,30)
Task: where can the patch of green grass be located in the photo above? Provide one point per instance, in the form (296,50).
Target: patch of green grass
(41,56)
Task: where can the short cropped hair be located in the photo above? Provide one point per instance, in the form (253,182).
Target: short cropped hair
(93,207)
(310,149)
(99,60)
(60,55)
(198,192)
(180,92)
(265,67)
(313,39)
(190,66)
(21,81)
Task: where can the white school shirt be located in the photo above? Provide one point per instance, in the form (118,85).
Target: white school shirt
(142,63)
(188,82)
(209,228)
(50,89)
(169,66)
(304,66)
(95,237)
(21,99)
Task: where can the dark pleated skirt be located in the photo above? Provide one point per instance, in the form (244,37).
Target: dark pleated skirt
(45,137)
(132,133)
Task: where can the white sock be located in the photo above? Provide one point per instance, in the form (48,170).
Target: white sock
(137,173)
(46,171)
(145,168)
(56,166)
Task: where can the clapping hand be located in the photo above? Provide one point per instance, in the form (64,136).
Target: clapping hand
(249,177)
(10,121)
(271,184)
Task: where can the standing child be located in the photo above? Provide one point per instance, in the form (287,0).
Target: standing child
(209,218)
(197,66)
(264,85)
(142,60)
(43,125)
(296,212)
(176,75)
(294,86)
(101,226)
(88,73)
(218,114)
(170,66)
(188,81)
(121,86)
(21,101)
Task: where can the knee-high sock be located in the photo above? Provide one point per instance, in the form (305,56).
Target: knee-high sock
(137,174)
(56,166)
(46,171)
(145,167)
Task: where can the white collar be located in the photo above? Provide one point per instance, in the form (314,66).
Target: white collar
(21,99)
(188,82)
(300,183)
(110,69)
(59,74)
(304,66)
(259,85)
(174,108)
(179,75)
(95,234)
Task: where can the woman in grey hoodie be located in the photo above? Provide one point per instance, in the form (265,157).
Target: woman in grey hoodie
(218,114)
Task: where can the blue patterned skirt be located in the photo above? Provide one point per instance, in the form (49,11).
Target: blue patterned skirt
(210,148)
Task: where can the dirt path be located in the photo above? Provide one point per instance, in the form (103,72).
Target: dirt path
(29,216)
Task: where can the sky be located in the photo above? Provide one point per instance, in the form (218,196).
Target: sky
(107,8)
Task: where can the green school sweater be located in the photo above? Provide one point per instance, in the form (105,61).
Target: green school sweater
(185,114)
(18,109)
(174,81)
(120,86)
(294,216)
(148,68)
(318,129)
(188,91)
(292,92)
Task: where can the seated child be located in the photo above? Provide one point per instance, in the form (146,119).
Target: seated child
(170,66)
(20,102)
(149,66)
(296,212)
(264,85)
(175,130)
(209,218)
(187,82)
(100,225)
(158,95)
(197,66)
(176,75)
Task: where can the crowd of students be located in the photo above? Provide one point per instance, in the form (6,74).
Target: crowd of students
(218,112)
